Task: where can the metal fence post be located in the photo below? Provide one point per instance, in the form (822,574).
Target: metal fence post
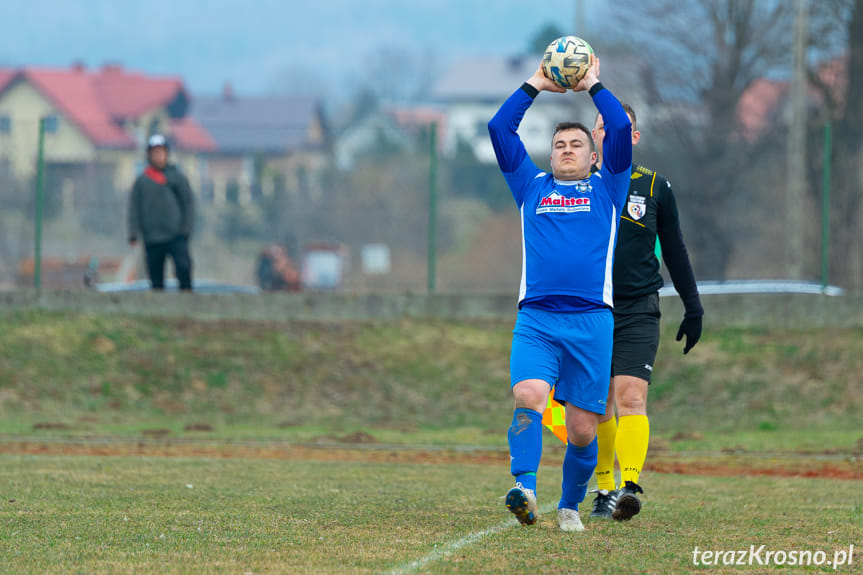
(432,237)
(40,193)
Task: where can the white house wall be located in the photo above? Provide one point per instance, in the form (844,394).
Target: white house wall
(25,105)
(469,122)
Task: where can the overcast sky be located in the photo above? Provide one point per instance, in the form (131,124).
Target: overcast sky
(263,46)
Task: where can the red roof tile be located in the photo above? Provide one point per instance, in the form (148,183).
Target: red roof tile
(757,105)
(421,117)
(761,103)
(129,94)
(190,136)
(834,75)
(6,76)
(75,95)
(96,101)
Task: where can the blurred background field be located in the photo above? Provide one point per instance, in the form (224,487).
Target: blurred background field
(307,134)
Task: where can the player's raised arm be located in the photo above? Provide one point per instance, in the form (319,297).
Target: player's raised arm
(503,127)
(617,145)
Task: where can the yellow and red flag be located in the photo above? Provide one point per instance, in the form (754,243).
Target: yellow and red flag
(553,418)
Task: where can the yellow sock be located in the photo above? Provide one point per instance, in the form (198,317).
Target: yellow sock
(633,434)
(605,433)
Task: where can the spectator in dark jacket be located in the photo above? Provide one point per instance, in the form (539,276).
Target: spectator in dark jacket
(161,214)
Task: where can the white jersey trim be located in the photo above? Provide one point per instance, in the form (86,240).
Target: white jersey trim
(607,288)
(522,289)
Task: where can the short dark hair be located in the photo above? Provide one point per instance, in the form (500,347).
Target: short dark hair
(629,112)
(563,126)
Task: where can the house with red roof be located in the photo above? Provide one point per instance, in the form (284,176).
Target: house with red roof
(764,104)
(95,118)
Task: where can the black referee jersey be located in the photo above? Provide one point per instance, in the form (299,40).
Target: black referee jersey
(650,212)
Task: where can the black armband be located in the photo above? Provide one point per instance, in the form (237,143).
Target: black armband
(530,90)
(594,90)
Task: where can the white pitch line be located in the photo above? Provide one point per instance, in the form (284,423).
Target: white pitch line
(450,548)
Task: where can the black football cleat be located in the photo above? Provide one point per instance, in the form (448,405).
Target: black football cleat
(628,504)
(604,504)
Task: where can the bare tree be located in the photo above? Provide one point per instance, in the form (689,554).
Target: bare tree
(707,53)
(837,76)
(400,74)
(846,249)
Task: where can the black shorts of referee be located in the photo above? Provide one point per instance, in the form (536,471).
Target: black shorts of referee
(636,336)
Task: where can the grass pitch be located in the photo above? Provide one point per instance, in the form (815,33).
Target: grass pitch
(168,483)
(205,515)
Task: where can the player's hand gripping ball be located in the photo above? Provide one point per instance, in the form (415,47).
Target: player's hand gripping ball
(566,61)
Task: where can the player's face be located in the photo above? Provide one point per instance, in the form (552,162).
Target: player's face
(571,155)
(598,134)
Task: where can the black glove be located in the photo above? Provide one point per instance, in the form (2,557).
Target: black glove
(691,328)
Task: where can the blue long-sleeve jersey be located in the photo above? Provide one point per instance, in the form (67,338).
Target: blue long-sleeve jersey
(568,228)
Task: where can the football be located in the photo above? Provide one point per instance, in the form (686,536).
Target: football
(566,61)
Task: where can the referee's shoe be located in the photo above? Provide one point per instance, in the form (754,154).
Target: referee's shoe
(604,504)
(628,504)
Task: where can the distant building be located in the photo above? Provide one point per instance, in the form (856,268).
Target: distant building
(765,105)
(396,128)
(95,121)
(474,88)
(283,136)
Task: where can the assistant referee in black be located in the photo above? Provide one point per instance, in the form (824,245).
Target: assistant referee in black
(650,213)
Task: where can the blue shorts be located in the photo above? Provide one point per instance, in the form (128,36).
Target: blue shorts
(569,351)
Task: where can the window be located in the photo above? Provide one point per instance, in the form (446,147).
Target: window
(5,124)
(51,124)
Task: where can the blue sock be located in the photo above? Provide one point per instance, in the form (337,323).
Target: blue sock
(525,446)
(578,466)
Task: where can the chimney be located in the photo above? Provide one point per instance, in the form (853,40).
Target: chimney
(79,66)
(228,92)
(112,68)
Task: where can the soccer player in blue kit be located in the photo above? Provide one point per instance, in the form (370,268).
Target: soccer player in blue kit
(562,338)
